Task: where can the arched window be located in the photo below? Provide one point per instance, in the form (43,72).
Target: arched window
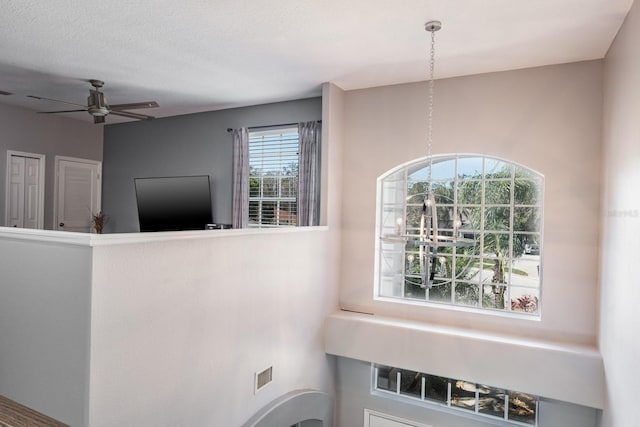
(462,230)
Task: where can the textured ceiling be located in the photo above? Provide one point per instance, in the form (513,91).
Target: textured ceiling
(199,55)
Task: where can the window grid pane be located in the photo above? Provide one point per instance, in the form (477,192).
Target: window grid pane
(493,202)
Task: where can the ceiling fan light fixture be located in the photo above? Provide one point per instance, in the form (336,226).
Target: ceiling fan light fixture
(98,107)
(97,111)
(97,103)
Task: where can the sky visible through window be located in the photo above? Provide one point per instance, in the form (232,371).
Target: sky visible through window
(493,204)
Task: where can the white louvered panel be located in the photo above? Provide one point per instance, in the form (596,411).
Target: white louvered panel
(16,192)
(31,199)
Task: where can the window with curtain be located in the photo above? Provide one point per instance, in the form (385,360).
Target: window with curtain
(273,177)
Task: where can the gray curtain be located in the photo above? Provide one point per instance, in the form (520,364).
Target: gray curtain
(240,177)
(308,173)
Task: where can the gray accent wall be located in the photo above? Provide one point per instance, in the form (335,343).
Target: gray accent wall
(194,144)
(25,130)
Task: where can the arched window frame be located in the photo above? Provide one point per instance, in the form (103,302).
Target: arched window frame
(476,185)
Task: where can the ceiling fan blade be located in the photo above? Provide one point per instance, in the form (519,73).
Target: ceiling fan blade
(135,105)
(131,115)
(63,111)
(54,100)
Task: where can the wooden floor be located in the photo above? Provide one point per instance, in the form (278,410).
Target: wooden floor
(13,414)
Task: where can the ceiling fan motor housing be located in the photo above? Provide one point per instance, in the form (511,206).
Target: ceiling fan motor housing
(97,104)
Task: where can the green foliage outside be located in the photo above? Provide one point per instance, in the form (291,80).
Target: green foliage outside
(510,197)
(280,183)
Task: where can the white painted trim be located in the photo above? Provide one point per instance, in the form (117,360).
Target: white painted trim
(56,182)
(295,405)
(151,237)
(368,413)
(93,240)
(45,236)
(78,160)
(462,308)
(41,180)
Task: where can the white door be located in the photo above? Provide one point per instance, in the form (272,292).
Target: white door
(25,190)
(378,419)
(77,198)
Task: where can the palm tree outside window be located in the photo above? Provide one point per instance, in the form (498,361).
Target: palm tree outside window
(493,203)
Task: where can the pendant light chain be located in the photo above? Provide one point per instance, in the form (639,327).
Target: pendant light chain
(432,63)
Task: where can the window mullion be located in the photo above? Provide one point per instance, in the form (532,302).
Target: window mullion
(482,214)
(506,406)
(403,253)
(511,236)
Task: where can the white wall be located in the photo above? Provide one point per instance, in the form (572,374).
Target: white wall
(25,130)
(332,148)
(620,287)
(45,296)
(548,119)
(180,327)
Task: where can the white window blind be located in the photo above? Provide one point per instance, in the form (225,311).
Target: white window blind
(273,177)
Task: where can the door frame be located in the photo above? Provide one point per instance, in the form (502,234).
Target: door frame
(41,181)
(368,413)
(57,183)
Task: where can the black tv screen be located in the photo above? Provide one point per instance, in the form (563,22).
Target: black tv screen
(173,203)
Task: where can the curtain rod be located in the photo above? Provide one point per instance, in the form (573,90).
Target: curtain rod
(270,126)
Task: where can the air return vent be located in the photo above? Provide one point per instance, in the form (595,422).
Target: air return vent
(263,378)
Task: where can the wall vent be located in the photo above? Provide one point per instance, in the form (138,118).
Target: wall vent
(263,378)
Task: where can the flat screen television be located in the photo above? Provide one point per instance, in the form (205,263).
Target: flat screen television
(173,203)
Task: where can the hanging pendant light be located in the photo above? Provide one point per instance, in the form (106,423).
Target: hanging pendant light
(430,239)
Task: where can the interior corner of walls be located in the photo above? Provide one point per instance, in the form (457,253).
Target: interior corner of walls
(327,86)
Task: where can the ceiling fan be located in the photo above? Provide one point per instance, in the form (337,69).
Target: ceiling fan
(97,105)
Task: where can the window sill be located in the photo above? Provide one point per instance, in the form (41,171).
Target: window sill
(461,308)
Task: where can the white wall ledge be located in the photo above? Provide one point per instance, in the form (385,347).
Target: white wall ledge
(566,372)
(92,240)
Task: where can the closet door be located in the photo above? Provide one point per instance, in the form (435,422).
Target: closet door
(31,192)
(15,209)
(25,190)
